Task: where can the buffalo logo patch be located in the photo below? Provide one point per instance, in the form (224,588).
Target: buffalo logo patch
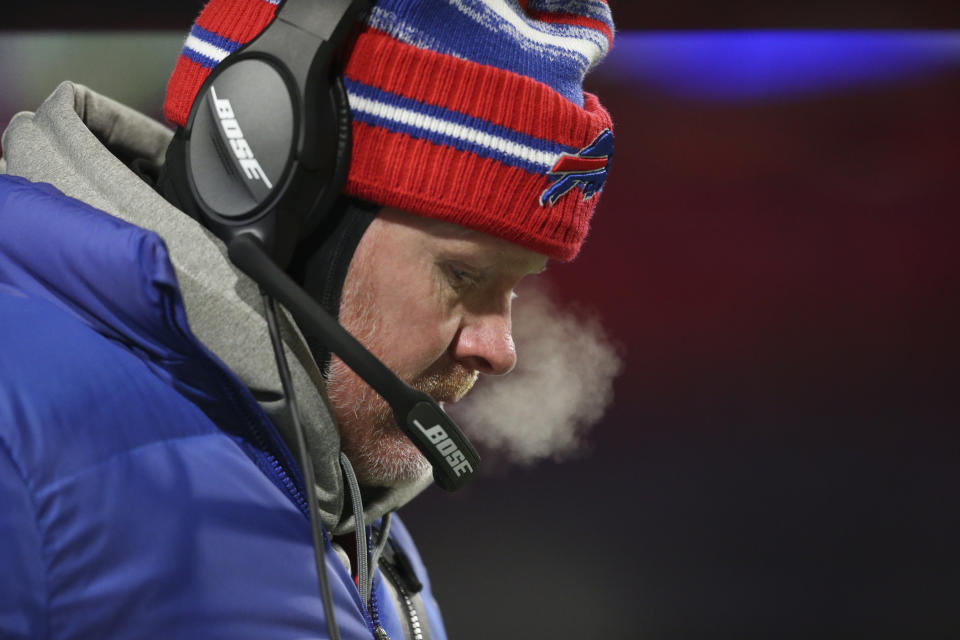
(586,169)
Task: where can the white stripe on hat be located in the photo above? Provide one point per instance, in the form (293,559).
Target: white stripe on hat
(452,129)
(205,49)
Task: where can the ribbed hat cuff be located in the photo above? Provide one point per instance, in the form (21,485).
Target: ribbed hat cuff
(433,135)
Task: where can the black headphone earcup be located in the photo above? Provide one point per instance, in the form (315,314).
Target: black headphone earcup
(266,147)
(344,142)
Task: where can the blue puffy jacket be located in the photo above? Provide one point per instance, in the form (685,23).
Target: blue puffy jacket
(143,491)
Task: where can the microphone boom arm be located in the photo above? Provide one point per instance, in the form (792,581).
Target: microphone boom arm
(436,435)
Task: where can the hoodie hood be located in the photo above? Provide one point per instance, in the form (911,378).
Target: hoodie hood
(81,142)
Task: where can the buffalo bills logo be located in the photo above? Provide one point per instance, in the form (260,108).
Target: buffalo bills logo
(586,169)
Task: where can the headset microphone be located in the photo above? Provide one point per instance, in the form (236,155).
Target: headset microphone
(453,458)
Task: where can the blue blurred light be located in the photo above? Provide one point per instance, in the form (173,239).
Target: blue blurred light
(747,65)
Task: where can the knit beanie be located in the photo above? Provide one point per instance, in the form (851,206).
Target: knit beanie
(467,111)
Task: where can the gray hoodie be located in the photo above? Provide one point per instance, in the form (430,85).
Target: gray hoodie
(74,141)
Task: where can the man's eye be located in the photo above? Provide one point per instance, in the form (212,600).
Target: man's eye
(460,277)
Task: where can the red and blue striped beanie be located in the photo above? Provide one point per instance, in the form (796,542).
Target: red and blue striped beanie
(468,111)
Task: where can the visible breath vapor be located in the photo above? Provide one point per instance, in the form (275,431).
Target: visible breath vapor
(561,386)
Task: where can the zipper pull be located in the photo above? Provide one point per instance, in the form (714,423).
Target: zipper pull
(380,634)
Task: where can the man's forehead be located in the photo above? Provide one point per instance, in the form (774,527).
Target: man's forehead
(460,241)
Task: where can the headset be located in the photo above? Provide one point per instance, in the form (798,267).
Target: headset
(263,155)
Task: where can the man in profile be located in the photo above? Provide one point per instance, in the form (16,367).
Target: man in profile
(146,484)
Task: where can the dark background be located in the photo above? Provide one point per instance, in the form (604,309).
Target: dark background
(782,272)
(628,14)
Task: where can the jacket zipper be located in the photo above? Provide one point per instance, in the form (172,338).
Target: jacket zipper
(379,633)
(264,452)
(239,404)
(412,619)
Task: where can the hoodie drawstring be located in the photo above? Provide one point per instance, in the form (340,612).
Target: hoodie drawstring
(359,528)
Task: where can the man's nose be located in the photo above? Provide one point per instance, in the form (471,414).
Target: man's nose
(485,344)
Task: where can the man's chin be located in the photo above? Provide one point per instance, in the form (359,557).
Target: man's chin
(389,462)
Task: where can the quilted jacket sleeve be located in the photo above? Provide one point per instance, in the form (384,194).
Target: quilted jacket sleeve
(22,576)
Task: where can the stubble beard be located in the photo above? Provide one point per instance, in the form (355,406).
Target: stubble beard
(379,451)
(381,454)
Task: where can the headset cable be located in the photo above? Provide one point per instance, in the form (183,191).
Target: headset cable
(306,465)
